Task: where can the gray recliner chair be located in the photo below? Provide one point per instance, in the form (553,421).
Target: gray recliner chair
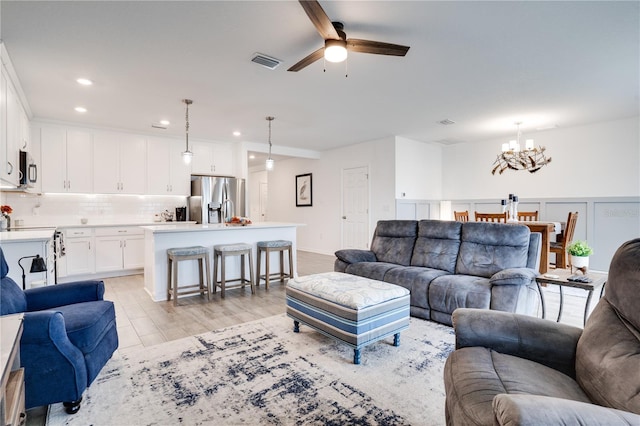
(519,370)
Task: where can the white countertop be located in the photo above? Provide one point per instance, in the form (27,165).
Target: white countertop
(216,227)
(22,236)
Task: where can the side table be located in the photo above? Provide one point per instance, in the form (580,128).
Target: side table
(12,409)
(597,280)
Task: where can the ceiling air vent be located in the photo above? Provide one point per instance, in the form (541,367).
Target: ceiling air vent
(446,122)
(158,126)
(266,61)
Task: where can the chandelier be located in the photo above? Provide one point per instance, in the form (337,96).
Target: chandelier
(515,158)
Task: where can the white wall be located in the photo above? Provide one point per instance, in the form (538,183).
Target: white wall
(418,170)
(597,160)
(322,233)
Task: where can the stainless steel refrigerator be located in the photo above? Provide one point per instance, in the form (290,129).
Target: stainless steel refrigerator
(216,199)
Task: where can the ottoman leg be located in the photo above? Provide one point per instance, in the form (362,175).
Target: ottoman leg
(396,339)
(356,356)
(296,326)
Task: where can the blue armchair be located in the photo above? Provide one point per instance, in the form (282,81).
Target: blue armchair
(69,335)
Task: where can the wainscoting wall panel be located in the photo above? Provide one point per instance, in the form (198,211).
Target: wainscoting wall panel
(604,222)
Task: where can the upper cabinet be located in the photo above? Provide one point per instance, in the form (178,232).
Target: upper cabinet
(167,174)
(212,159)
(119,163)
(67,160)
(13,136)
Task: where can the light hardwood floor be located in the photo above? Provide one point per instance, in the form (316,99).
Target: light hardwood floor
(142,322)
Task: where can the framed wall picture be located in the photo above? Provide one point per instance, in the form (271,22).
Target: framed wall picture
(304,193)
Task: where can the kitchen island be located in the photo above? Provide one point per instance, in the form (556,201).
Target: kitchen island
(157,239)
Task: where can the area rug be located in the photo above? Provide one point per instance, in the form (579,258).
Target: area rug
(262,373)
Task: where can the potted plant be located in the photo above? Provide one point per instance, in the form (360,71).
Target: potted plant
(580,252)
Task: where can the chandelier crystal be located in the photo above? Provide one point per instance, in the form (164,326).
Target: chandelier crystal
(513,157)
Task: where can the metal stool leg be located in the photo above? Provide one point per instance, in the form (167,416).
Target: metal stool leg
(223,261)
(169,277)
(175,283)
(258,267)
(290,249)
(253,283)
(267,257)
(208,279)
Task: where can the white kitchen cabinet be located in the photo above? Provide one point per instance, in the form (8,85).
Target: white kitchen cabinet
(167,173)
(66,160)
(119,163)
(11,113)
(119,248)
(79,255)
(212,158)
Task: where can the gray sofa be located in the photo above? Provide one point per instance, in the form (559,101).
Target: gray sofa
(511,369)
(448,265)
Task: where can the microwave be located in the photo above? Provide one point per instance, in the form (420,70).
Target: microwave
(28,170)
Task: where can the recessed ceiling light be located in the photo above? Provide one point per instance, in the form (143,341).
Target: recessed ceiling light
(252,157)
(237,133)
(165,122)
(80,109)
(84,81)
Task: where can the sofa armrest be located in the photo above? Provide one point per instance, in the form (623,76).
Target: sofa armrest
(514,276)
(50,359)
(533,410)
(49,297)
(535,339)
(356,256)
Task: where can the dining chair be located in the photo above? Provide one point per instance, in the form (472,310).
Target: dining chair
(461,216)
(528,216)
(559,248)
(491,217)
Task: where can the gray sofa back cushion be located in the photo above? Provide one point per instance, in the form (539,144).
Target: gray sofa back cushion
(607,355)
(487,248)
(393,241)
(437,245)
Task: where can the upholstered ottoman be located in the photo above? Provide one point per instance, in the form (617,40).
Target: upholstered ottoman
(355,310)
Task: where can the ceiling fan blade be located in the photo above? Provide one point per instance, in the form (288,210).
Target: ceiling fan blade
(320,19)
(308,60)
(376,47)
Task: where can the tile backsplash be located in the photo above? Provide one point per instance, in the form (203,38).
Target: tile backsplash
(69,209)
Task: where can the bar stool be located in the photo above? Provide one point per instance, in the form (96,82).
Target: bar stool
(274,246)
(221,251)
(175,255)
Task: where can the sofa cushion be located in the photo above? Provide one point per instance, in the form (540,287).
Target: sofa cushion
(437,245)
(416,280)
(373,270)
(87,323)
(607,352)
(394,240)
(474,376)
(487,248)
(449,292)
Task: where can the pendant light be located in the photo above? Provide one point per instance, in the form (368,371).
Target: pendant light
(187,155)
(269,163)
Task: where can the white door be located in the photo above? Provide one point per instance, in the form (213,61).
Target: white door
(133,153)
(264,191)
(355,208)
(158,163)
(79,161)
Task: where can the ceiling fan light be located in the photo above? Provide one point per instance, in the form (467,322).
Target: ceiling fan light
(335,50)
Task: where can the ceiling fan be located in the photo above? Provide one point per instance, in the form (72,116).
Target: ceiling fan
(336,43)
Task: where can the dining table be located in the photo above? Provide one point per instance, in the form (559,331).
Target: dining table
(548,230)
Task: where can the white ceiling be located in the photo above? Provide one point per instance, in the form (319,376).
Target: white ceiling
(484,65)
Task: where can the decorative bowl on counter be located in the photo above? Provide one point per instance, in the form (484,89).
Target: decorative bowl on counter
(238,221)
